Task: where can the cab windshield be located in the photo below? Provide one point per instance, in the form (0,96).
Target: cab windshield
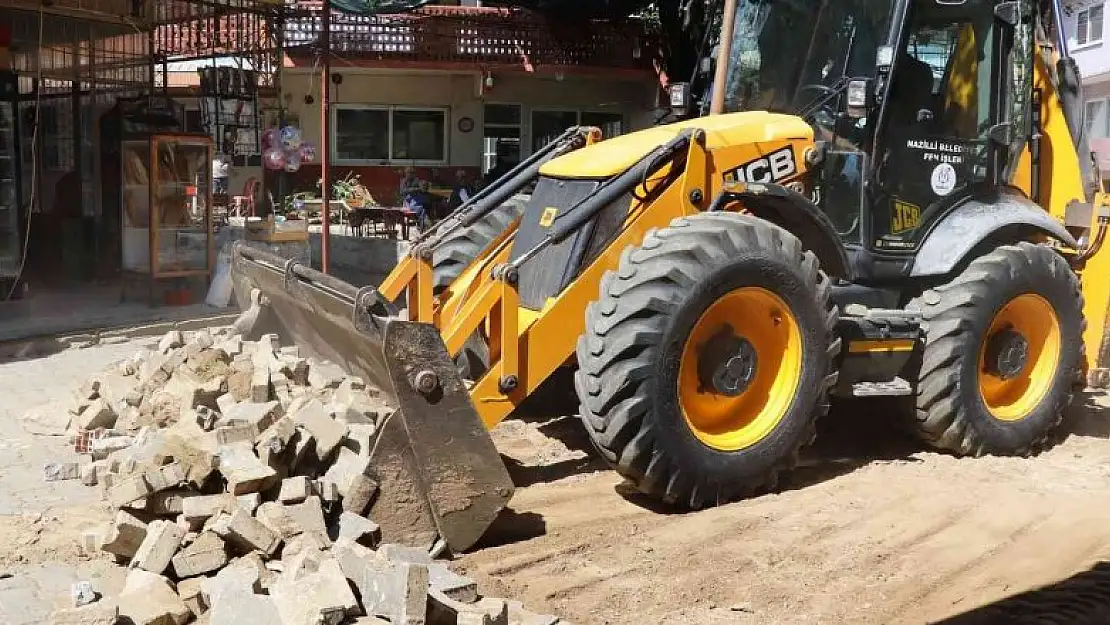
(788,54)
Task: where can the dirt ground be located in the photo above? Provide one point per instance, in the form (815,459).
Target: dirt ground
(871,530)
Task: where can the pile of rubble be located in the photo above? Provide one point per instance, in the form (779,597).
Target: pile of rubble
(239,476)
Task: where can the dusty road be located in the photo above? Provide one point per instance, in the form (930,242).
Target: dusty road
(873,531)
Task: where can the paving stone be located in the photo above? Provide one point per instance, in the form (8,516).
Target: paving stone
(358,528)
(190,592)
(128,490)
(244,472)
(101,448)
(259,414)
(322,597)
(194,448)
(327,432)
(199,508)
(323,374)
(98,414)
(241,530)
(346,467)
(360,438)
(61,471)
(238,433)
(125,536)
(206,554)
(244,609)
(164,477)
(294,489)
(149,599)
(163,538)
(100,613)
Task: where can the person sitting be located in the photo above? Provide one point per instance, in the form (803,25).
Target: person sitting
(462,191)
(419,201)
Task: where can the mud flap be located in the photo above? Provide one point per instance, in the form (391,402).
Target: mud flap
(439,473)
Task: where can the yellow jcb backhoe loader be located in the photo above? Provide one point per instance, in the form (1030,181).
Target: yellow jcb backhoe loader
(901,204)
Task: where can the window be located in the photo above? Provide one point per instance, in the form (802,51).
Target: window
(501,135)
(1089,25)
(385,134)
(1098,119)
(548,125)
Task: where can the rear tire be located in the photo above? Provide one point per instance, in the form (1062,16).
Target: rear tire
(636,400)
(455,253)
(965,404)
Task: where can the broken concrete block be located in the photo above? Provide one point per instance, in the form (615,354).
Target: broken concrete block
(194,448)
(260,385)
(91,472)
(206,417)
(125,536)
(325,374)
(171,340)
(410,604)
(346,467)
(50,419)
(451,584)
(249,502)
(245,609)
(128,490)
(82,593)
(129,419)
(169,502)
(239,578)
(163,538)
(165,477)
(294,489)
(323,597)
(327,432)
(360,438)
(61,471)
(238,433)
(485,612)
(98,414)
(384,587)
(303,541)
(361,492)
(232,346)
(149,599)
(401,553)
(261,415)
(244,532)
(101,448)
(100,613)
(225,402)
(326,489)
(243,471)
(206,554)
(190,593)
(309,515)
(201,507)
(358,528)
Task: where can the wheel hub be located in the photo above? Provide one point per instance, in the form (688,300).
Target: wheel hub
(727,364)
(1007,354)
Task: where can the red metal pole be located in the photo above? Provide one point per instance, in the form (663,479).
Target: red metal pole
(325,135)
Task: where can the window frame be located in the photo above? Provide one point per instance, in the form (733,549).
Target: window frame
(1105,102)
(577,119)
(488,159)
(1090,43)
(390,109)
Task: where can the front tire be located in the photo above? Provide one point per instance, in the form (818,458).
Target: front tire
(977,393)
(684,421)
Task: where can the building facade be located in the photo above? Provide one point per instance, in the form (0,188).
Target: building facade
(452,89)
(1087,41)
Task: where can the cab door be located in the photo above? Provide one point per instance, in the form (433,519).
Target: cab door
(945,124)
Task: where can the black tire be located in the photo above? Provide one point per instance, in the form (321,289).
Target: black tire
(951,413)
(455,253)
(629,355)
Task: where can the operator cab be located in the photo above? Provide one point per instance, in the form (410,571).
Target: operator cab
(917,105)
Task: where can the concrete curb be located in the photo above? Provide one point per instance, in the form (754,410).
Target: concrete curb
(31,346)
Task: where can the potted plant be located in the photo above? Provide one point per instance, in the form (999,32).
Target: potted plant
(351,190)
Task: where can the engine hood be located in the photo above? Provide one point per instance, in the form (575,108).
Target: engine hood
(611,157)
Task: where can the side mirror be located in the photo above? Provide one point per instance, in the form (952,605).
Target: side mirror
(680,97)
(861,97)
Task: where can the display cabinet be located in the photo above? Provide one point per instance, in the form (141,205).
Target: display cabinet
(167,212)
(11,239)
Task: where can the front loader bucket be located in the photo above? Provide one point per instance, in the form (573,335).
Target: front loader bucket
(439,473)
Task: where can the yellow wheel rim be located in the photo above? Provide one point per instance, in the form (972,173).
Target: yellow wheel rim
(738,420)
(1014,396)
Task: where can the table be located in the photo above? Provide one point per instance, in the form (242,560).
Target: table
(392,217)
